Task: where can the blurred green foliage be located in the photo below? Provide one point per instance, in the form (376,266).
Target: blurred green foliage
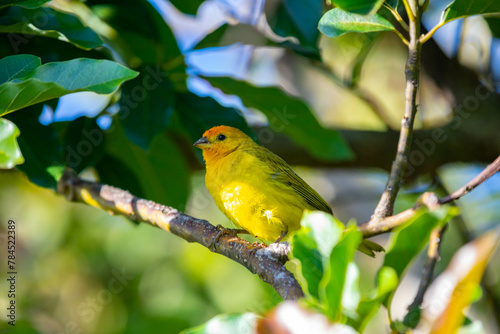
(84,271)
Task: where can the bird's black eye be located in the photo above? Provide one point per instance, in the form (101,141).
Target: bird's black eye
(221,137)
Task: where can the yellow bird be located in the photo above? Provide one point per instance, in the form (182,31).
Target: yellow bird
(253,187)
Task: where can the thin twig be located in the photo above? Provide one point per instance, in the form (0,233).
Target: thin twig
(385,206)
(488,172)
(267,262)
(433,256)
(429,200)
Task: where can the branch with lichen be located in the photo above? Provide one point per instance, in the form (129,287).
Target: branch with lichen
(266,262)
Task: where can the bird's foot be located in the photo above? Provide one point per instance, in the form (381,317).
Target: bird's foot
(255,247)
(224,231)
(282,235)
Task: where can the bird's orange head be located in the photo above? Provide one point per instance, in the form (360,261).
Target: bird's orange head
(220,141)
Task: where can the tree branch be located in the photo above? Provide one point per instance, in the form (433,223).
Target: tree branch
(385,206)
(267,262)
(489,171)
(429,200)
(433,256)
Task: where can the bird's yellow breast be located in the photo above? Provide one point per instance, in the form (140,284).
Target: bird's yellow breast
(244,192)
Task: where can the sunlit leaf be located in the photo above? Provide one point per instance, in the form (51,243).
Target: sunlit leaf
(457,287)
(48,22)
(10,154)
(463,8)
(227,324)
(288,115)
(337,22)
(332,285)
(24,81)
(312,246)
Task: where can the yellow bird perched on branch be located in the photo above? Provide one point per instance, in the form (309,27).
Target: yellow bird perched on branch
(256,189)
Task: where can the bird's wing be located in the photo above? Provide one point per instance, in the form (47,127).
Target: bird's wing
(280,171)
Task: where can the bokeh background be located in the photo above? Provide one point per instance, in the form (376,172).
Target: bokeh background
(82,270)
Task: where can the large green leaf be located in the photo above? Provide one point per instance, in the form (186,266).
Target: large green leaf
(494,23)
(83,143)
(199,114)
(312,246)
(288,115)
(23,3)
(140,44)
(332,285)
(162,172)
(337,22)
(41,148)
(112,171)
(48,22)
(463,8)
(363,7)
(146,105)
(10,154)
(227,324)
(24,81)
(305,15)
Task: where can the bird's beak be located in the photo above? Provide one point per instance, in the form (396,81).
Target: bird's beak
(202,142)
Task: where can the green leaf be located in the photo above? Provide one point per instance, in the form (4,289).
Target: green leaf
(227,324)
(112,171)
(23,3)
(146,105)
(199,114)
(24,81)
(83,143)
(494,24)
(10,154)
(187,7)
(332,285)
(312,246)
(162,172)
(351,294)
(289,115)
(43,158)
(48,22)
(305,15)
(140,44)
(362,7)
(387,281)
(337,22)
(408,240)
(463,8)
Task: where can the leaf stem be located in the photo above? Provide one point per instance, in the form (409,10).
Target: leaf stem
(397,17)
